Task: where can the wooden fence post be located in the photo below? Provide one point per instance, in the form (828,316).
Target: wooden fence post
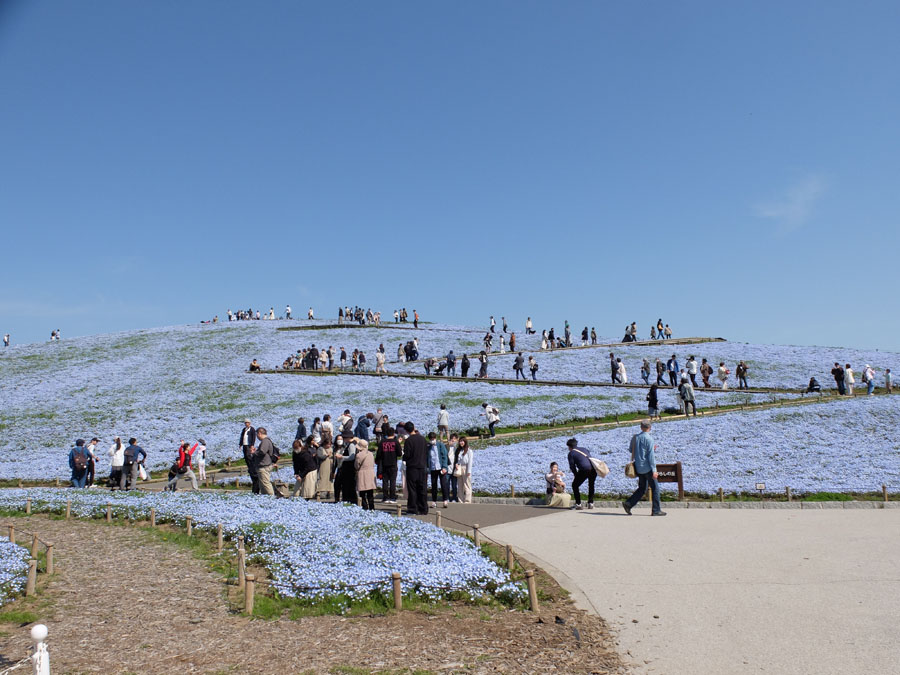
(532,590)
(108,512)
(189,525)
(787,492)
(28,506)
(437,518)
(32,577)
(49,557)
(34,546)
(475,531)
(398,593)
(510,559)
(721,495)
(249,589)
(68,508)
(512,491)
(884,492)
(12,534)
(152,517)
(219,539)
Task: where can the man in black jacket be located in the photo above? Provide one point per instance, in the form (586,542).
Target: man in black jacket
(246,443)
(387,457)
(415,454)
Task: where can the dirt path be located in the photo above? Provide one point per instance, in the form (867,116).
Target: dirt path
(121,602)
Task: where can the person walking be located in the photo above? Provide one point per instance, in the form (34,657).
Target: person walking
(415,319)
(584,337)
(365,474)
(464,366)
(582,470)
(451,364)
(78,463)
(287,312)
(6,340)
(722,373)
(519,366)
(621,373)
(672,369)
(741,372)
(643,455)
(415,457)
(512,342)
(465,462)
(706,372)
(482,370)
(660,331)
(533,367)
(686,392)
(379,363)
(613,368)
(505,326)
(692,369)
(493,325)
(593,336)
(246,442)
(387,457)
(660,373)
(265,458)
(838,374)
(653,402)
(443,422)
(133,456)
(645,371)
(492,415)
(438,463)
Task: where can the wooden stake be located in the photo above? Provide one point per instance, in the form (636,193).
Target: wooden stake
(240,541)
(787,492)
(510,559)
(884,492)
(34,546)
(49,558)
(20,483)
(152,517)
(68,508)
(28,506)
(249,591)
(219,539)
(57,482)
(108,512)
(12,534)
(399,510)
(721,495)
(32,577)
(241,570)
(437,518)
(398,593)
(476,535)
(512,491)
(532,591)
(189,525)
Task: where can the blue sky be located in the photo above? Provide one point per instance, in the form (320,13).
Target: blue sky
(731,168)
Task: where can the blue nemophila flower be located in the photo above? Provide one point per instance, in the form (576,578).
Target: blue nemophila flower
(13,569)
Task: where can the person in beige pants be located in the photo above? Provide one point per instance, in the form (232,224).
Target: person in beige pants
(464,460)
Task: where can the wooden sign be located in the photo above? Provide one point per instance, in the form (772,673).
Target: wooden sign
(671,473)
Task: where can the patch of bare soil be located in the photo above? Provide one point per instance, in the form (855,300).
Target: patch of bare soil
(121,602)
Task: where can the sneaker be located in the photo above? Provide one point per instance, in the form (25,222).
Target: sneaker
(578,507)
(658,513)
(432,505)
(626,507)
(590,505)
(446,505)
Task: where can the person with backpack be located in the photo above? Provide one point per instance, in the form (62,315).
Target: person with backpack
(492,415)
(265,458)
(686,393)
(519,366)
(78,462)
(706,371)
(451,364)
(133,455)
(387,459)
(533,367)
(182,467)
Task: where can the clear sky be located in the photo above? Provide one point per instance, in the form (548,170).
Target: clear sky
(733,168)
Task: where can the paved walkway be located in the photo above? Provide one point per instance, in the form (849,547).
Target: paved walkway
(731,591)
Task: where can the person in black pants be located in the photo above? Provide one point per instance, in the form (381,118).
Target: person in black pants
(386,458)
(415,454)
(464,365)
(582,469)
(246,442)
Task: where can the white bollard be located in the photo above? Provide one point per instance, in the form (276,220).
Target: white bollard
(41,657)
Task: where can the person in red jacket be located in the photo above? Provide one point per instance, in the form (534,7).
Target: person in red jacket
(182,467)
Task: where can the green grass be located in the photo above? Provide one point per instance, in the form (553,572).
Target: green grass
(19,616)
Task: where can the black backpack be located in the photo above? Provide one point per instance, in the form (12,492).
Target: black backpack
(80,459)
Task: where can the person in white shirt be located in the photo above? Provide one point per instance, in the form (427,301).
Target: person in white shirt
(692,370)
(722,373)
(464,461)
(200,456)
(443,423)
(309,314)
(287,312)
(379,362)
(621,373)
(116,454)
(849,380)
(529,327)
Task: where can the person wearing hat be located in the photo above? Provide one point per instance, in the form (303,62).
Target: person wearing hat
(78,462)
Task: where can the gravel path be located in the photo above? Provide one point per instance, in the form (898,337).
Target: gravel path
(122,602)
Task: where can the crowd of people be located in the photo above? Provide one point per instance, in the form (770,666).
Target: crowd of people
(845,380)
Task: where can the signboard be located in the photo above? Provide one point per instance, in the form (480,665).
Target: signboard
(671,473)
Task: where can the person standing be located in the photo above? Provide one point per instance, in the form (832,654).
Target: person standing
(888,380)
(116,454)
(582,470)
(452,444)
(529,327)
(668,332)
(512,342)
(741,372)
(493,325)
(287,312)
(644,458)
(365,474)
(362,426)
(722,373)
(379,420)
(388,458)
(492,415)
(265,458)
(482,370)
(686,392)
(415,456)
(451,364)
(443,423)
(301,434)
(869,379)
(505,326)
(464,365)
(533,367)
(613,368)
(849,380)
(133,456)
(415,319)
(78,463)
(653,402)
(584,337)
(660,373)
(92,462)
(438,463)
(672,369)
(247,442)
(838,374)
(465,460)
(621,373)
(200,454)
(593,336)
(303,462)
(692,370)
(324,473)
(6,340)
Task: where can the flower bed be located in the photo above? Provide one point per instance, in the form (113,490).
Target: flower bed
(845,446)
(311,550)
(13,570)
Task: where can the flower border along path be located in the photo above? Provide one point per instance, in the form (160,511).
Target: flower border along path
(312,551)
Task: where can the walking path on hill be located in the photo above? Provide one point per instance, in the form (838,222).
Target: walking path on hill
(731,591)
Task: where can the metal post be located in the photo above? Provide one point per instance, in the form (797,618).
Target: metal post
(32,577)
(532,590)
(49,557)
(189,525)
(249,588)
(398,593)
(219,540)
(476,535)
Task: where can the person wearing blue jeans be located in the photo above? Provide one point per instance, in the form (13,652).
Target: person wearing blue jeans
(644,458)
(78,462)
